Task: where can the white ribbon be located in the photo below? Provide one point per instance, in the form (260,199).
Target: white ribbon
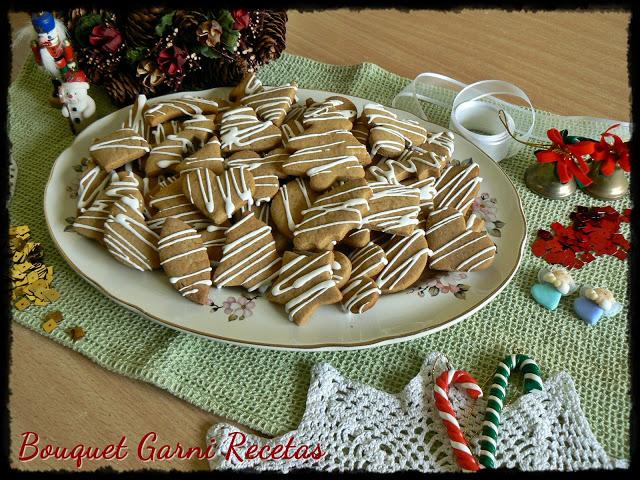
(475,119)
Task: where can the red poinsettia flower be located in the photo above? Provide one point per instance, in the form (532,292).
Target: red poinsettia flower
(612,154)
(171,60)
(105,37)
(241,19)
(568,156)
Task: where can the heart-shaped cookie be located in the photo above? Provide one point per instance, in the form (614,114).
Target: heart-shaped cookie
(128,238)
(406,259)
(266,171)
(93,181)
(287,205)
(184,259)
(456,247)
(457,186)
(90,223)
(118,148)
(169,201)
(219,196)
(249,256)
(209,156)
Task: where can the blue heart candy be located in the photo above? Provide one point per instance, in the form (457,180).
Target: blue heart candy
(587,310)
(546,295)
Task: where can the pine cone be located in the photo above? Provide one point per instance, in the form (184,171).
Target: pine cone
(187,22)
(98,64)
(271,38)
(122,88)
(217,73)
(139,26)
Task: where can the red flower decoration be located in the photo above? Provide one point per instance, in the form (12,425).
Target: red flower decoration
(612,154)
(105,37)
(171,60)
(241,19)
(568,156)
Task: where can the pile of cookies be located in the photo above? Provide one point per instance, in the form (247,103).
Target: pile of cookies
(309,202)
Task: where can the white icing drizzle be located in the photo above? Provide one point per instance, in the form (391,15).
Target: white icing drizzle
(310,290)
(136,142)
(272,104)
(402,132)
(240,128)
(262,256)
(396,270)
(458,186)
(302,187)
(86,195)
(187,105)
(224,182)
(386,219)
(327,154)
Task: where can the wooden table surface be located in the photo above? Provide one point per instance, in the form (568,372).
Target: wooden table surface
(568,63)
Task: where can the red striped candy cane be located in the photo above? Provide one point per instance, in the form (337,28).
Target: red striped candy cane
(441,393)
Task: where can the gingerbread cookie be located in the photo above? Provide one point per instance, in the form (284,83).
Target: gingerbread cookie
(209,156)
(134,118)
(341,268)
(93,181)
(169,201)
(287,205)
(392,208)
(360,295)
(186,106)
(168,153)
(406,257)
(263,213)
(457,186)
(184,259)
(219,196)
(266,171)
(128,238)
(118,148)
(240,129)
(90,223)
(249,85)
(360,130)
(357,238)
(456,247)
(249,256)
(295,113)
(332,216)
(213,238)
(304,283)
(291,129)
(271,104)
(326,157)
(325,116)
(158,134)
(389,135)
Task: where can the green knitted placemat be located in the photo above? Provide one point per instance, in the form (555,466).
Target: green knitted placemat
(266,390)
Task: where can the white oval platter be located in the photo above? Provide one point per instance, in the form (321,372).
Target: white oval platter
(238,317)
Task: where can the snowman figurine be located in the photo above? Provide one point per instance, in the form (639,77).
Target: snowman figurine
(77,105)
(553,284)
(594,302)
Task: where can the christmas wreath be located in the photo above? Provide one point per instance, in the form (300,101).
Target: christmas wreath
(156,51)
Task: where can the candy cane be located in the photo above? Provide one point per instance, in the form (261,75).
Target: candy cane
(441,394)
(497,394)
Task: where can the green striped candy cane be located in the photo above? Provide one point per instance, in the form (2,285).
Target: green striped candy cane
(497,394)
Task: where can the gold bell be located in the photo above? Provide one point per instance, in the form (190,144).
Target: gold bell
(542,179)
(605,187)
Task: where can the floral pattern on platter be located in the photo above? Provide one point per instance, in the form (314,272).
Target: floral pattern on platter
(486,207)
(236,308)
(444,282)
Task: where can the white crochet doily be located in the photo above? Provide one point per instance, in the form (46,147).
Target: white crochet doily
(361,428)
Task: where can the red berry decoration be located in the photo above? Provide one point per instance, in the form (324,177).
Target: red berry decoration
(594,232)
